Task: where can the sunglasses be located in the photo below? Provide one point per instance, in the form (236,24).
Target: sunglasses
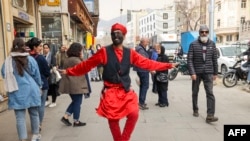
(204,32)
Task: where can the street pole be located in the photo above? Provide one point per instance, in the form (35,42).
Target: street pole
(211,19)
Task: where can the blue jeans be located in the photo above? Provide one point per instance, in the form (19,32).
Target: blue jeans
(75,106)
(144,84)
(42,107)
(21,122)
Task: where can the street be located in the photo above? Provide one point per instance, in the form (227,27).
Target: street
(173,123)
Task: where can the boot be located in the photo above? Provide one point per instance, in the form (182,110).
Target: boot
(211,118)
(196,114)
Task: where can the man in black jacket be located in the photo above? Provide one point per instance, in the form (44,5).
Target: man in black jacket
(203,66)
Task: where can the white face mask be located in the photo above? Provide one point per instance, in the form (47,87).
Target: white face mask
(204,39)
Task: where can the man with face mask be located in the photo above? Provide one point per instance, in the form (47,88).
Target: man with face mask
(118,99)
(203,66)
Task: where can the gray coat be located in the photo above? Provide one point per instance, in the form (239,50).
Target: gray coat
(73,84)
(141,50)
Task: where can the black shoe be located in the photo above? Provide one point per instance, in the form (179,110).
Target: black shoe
(163,105)
(66,121)
(211,118)
(143,107)
(79,123)
(195,114)
(157,104)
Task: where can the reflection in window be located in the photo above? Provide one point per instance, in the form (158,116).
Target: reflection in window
(51,29)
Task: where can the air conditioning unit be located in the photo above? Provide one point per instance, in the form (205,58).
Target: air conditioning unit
(20,4)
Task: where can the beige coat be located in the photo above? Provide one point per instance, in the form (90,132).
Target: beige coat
(73,84)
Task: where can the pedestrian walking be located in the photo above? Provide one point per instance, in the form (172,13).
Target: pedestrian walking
(35,45)
(75,86)
(118,99)
(203,66)
(22,82)
(143,74)
(52,80)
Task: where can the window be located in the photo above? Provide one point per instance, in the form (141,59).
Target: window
(52,29)
(242,20)
(243,3)
(219,5)
(229,37)
(165,25)
(218,23)
(165,15)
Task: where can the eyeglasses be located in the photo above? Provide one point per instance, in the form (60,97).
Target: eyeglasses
(204,32)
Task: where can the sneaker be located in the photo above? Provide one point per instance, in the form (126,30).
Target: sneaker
(36,137)
(52,105)
(47,103)
(195,114)
(211,118)
(66,121)
(143,107)
(79,123)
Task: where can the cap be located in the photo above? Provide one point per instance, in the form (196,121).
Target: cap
(204,28)
(118,26)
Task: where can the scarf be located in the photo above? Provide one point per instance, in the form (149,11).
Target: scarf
(10,83)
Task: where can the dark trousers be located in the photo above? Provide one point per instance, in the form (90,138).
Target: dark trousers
(154,88)
(208,85)
(53,91)
(162,89)
(144,84)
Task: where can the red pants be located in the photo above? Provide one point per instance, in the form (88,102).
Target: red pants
(128,128)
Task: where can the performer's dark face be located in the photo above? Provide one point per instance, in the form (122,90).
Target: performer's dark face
(117,37)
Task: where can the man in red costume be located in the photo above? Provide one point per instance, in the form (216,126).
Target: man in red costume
(118,99)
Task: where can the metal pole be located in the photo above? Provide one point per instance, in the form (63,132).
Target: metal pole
(211,20)
(121,12)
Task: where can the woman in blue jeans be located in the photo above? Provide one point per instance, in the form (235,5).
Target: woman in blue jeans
(22,83)
(75,86)
(36,47)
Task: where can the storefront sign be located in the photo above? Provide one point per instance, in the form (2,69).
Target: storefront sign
(23,16)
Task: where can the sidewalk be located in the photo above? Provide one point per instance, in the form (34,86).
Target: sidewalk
(173,123)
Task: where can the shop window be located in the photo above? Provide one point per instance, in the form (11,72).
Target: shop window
(52,29)
(23,30)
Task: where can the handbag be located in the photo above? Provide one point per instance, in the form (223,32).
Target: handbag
(162,77)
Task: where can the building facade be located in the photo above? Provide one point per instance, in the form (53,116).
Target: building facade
(55,22)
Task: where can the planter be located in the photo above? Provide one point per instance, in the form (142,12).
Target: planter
(4,104)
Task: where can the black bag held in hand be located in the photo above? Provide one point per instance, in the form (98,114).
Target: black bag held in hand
(162,77)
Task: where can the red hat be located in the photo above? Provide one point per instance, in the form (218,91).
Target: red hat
(120,27)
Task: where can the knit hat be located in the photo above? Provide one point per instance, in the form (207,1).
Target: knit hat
(120,27)
(204,28)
